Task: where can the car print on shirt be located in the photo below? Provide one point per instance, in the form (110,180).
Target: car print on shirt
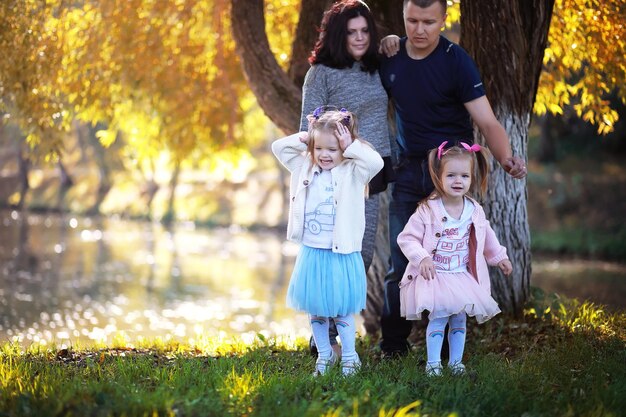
(322,218)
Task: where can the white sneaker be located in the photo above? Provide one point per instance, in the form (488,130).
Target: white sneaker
(457,368)
(350,367)
(433,369)
(322,365)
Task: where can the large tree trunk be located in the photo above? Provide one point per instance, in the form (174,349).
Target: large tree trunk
(279,97)
(507,40)
(306,36)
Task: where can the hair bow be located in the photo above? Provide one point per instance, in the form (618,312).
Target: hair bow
(474,148)
(318,112)
(346,118)
(440,149)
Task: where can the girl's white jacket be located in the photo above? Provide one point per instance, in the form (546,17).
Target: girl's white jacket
(349,178)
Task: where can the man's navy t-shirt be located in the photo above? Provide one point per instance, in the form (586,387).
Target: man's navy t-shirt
(429,94)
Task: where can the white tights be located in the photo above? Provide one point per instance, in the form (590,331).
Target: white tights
(347,334)
(456,338)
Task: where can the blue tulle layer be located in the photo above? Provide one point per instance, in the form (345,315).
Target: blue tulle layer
(327,284)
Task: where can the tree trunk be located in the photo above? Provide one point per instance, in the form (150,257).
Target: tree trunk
(378,270)
(388,16)
(24,167)
(170,215)
(507,40)
(65,183)
(104,171)
(306,34)
(547,139)
(277,95)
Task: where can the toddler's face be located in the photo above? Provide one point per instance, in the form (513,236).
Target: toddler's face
(326,151)
(456,176)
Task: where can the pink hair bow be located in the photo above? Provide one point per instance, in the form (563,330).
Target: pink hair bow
(440,149)
(474,148)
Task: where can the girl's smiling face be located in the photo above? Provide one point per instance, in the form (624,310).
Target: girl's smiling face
(326,151)
(456,176)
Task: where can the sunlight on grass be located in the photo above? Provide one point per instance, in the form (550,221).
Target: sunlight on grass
(576,316)
(240,389)
(512,371)
(410,410)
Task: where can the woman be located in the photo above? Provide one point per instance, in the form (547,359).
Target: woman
(344,73)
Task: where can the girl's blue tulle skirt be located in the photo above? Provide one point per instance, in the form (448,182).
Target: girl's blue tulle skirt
(327,284)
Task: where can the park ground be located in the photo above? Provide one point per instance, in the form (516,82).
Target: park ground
(563,358)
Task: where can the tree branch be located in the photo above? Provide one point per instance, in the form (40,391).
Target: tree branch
(277,95)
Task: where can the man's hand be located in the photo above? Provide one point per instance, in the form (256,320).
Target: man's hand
(515,167)
(389,45)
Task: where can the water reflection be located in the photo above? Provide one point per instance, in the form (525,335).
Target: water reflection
(68,279)
(597,281)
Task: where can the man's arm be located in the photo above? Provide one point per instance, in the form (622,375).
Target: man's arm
(496,137)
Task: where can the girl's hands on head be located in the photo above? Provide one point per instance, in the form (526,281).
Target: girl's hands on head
(304,137)
(427,268)
(343,135)
(389,45)
(506,267)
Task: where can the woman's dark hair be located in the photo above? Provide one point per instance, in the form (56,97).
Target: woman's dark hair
(330,48)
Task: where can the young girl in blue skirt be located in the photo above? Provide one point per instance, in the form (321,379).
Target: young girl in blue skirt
(330,169)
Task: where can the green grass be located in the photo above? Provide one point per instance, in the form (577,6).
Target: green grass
(561,359)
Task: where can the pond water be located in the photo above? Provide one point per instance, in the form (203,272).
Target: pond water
(597,281)
(67,280)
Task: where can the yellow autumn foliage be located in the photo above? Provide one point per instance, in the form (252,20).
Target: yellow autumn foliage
(585,61)
(164,74)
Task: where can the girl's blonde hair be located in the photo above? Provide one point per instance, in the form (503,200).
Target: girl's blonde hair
(437,160)
(326,122)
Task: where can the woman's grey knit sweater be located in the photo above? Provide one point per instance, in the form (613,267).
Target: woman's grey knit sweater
(358,91)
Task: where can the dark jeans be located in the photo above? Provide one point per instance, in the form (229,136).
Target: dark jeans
(412,185)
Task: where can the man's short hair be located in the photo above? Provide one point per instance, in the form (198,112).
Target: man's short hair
(427,3)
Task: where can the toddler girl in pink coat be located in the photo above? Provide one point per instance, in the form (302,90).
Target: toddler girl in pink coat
(449,243)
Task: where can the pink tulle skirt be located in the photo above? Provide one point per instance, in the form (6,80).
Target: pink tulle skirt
(449,293)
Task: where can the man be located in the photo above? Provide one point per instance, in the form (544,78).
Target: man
(437,93)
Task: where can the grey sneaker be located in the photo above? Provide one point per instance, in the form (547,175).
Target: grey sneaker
(433,369)
(350,367)
(322,365)
(457,368)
